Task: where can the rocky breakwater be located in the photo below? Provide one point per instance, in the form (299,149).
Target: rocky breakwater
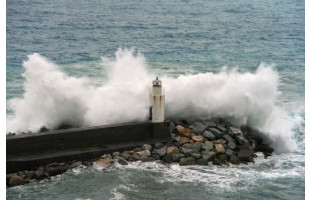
(213,141)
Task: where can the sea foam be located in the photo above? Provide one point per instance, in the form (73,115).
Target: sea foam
(52,97)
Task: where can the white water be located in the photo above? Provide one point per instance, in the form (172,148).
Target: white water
(52,97)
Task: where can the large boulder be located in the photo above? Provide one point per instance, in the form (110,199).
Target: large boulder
(177,156)
(172,150)
(237,134)
(121,160)
(161,152)
(245,153)
(207,146)
(228,138)
(187,152)
(199,127)
(197,146)
(147,147)
(217,133)
(219,148)
(187,161)
(208,155)
(167,159)
(17,180)
(209,135)
(126,155)
(142,154)
(56,168)
(234,160)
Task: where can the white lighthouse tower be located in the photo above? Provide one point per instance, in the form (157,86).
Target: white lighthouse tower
(157,102)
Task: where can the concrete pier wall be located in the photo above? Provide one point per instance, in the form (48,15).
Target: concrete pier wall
(32,150)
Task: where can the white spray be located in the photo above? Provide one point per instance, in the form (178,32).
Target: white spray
(52,98)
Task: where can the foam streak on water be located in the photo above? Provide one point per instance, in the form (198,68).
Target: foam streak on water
(53,98)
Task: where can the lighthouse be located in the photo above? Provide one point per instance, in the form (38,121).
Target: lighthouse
(157,102)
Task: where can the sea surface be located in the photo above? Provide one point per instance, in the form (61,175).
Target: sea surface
(88,63)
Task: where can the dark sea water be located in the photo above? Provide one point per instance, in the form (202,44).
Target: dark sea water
(82,57)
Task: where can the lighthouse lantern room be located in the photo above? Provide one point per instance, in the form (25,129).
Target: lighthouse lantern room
(157,102)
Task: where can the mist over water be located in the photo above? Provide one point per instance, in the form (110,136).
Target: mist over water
(53,98)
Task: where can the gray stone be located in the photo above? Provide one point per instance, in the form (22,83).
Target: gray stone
(237,133)
(209,135)
(116,154)
(155,156)
(167,159)
(210,124)
(196,155)
(231,145)
(199,127)
(188,146)
(126,155)
(216,132)
(197,146)
(158,146)
(161,152)
(222,159)
(141,154)
(121,160)
(146,147)
(228,138)
(229,152)
(187,161)
(234,160)
(187,152)
(207,146)
(222,129)
(148,159)
(202,161)
(208,155)
(172,150)
(30,174)
(177,156)
(137,149)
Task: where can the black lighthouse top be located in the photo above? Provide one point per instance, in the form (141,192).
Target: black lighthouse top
(157,82)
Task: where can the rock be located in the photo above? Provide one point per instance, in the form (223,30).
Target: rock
(191,142)
(208,155)
(161,152)
(172,150)
(177,156)
(8,178)
(116,154)
(222,129)
(126,155)
(198,138)
(234,160)
(141,154)
(181,122)
(187,161)
(219,148)
(209,135)
(220,141)
(57,168)
(216,161)
(245,153)
(137,149)
(186,132)
(182,140)
(39,174)
(197,146)
(229,152)
(155,156)
(76,164)
(210,124)
(188,146)
(187,152)
(17,180)
(207,146)
(231,145)
(264,148)
(105,162)
(196,155)
(167,159)
(171,144)
(30,174)
(202,161)
(228,138)
(158,146)
(215,132)
(148,159)
(121,160)
(236,133)
(199,127)
(222,159)
(106,156)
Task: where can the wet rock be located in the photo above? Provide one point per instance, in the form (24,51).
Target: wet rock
(222,129)
(215,132)
(148,159)
(121,160)
(54,169)
(191,141)
(158,146)
(208,155)
(17,180)
(167,159)
(105,162)
(198,138)
(202,161)
(196,155)
(208,145)
(30,174)
(187,152)
(177,156)
(39,174)
(236,133)
(222,159)
(229,152)
(228,138)
(234,160)
(231,145)
(172,150)
(147,147)
(216,161)
(199,127)
(210,124)
(219,148)
(264,148)
(182,140)
(220,141)
(197,146)
(187,161)
(209,135)
(126,155)
(245,153)
(161,152)
(116,154)
(186,132)
(155,156)
(137,149)
(188,146)
(141,154)
(43,129)
(181,122)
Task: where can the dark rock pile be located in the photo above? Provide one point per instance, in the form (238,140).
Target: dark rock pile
(201,142)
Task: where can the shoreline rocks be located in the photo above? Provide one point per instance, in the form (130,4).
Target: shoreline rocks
(207,142)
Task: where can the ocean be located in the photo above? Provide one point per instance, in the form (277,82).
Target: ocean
(87,63)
